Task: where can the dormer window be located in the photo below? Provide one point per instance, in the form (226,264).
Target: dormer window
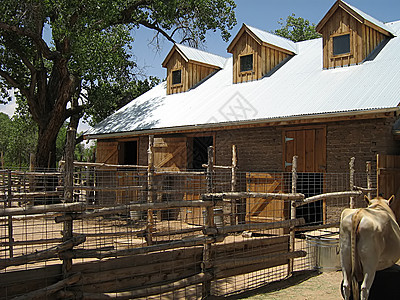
(341,44)
(176,77)
(257,53)
(350,36)
(246,63)
(188,67)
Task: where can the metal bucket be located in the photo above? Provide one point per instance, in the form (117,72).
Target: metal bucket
(218,217)
(323,250)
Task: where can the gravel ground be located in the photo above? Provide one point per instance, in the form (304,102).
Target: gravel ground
(302,286)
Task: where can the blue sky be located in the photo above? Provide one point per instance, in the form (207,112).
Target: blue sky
(262,14)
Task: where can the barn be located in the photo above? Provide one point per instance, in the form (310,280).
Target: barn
(323,100)
(161,214)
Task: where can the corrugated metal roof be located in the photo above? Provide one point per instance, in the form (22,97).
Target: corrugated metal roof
(299,87)
(273,39)
(369,18)
(202,56)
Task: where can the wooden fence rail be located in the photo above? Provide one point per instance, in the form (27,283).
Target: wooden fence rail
(203,256)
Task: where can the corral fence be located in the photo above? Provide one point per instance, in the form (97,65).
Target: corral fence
(122,231)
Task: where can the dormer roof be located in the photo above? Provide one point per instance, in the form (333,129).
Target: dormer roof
(190,54)
(359,15)
(265,38)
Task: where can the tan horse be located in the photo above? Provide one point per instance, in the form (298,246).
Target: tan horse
(369,242)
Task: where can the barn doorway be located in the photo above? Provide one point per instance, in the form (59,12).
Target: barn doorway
(309,145)
(199,151)
(128,153)
(310,184)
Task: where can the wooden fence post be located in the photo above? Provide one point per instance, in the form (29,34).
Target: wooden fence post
(68,193)
(351,165)
(208,222)
(292,240)
(150,192)
(369,179)
(10,220)
(233,185)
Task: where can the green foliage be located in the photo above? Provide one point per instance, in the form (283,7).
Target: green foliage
(54,52)
(18,137)
(297,29)
(107,97)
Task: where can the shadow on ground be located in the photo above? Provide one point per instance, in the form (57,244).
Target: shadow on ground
(296,278)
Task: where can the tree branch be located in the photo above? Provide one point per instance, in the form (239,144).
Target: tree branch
(73,111)
(158,29)
(40,43)
(14,83)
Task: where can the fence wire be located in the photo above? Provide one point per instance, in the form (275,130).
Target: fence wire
(115,256)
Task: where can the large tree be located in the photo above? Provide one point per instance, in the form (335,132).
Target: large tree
(297,29)
(54,53)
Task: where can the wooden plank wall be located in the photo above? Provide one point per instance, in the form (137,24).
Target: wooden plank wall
(270,58)
(177,62)
(388,171)
(264,58)
(197,72)
(192,73)
(363,40)
(246,45)
(388,180)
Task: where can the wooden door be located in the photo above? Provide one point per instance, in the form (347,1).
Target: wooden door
(388,180)
(106,152)
(265,210)
(170,153)
(309,145)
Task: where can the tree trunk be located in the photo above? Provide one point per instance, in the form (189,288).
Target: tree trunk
(51,108)
(46,148)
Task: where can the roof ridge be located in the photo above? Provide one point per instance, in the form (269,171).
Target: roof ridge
(278,36)
(289,44)
(196,49)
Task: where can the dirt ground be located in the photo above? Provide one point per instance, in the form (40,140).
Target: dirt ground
(302,286)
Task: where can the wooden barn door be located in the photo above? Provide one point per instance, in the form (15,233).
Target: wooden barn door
(106,152)
(170,153)
(388,179)
(265,210)
(309,144)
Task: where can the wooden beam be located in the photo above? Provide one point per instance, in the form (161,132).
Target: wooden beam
(51,289)
(238,195)
(255,226)
(84,253)
(41,209)
(137,207)
(327,196)
(52,252)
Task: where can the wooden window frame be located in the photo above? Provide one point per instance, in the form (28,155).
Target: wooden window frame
(350,46)
(172,78)
(240,64)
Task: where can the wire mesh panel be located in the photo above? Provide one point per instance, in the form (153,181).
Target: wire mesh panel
(143,233)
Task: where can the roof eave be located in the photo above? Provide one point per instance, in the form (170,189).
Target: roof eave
(210,126)
(171,52)
(354,14)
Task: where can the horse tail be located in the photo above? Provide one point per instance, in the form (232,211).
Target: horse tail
(355,261)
